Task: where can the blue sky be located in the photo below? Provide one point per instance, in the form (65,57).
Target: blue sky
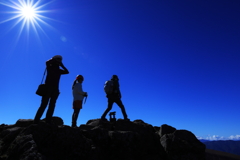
(177,61)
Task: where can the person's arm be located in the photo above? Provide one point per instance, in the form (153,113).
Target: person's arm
(80,90)
(118,90)
(120,95)
(65,70)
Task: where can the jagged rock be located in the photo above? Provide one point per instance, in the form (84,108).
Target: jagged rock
(56,120)
(97,140)
(94,122)
(8,136)
(156,128)
(24,122)
(24,147)
(85,127)
(182,144)
(166,129)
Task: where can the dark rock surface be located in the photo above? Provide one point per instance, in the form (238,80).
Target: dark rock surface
(97,140)
(219,155)
(228,146)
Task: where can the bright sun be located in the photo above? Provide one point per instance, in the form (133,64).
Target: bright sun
(28,13)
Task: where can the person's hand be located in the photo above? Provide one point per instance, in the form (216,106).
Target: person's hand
(85,94)
(60,63)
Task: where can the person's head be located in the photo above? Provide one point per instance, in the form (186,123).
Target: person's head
(57,58)
(79,78)
(114,77)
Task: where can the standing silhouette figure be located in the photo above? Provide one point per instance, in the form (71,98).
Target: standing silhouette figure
(52,83)
(114,97)
(78,96)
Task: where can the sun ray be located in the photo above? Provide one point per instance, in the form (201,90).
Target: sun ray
(29,13)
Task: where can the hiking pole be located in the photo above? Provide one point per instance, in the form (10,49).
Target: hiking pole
(85,99)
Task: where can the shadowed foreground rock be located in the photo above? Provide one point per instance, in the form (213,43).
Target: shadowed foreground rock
(97,140)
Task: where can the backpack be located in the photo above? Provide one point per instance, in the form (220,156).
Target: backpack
(108,87)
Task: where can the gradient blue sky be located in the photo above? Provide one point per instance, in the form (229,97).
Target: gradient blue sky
(178,61)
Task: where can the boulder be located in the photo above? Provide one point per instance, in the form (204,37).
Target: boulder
(24,122)
(166,129)
(183,144)
(97,140)
(56,120)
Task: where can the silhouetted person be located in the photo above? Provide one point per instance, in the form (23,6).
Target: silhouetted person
(52,82)
(78,96)
(115,96)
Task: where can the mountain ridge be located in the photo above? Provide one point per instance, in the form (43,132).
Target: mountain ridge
(102,140)
(97,140)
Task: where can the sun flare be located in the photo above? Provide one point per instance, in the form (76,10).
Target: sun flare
(29,14)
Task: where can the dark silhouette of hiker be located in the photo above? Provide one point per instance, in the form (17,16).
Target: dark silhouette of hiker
(78,96)
(52,82)
(115,96)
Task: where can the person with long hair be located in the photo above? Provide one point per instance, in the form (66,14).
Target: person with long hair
(78,96)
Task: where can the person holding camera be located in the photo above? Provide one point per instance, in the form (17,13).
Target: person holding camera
(78,96)
(52,83)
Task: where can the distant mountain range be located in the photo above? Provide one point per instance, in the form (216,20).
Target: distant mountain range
(228,146)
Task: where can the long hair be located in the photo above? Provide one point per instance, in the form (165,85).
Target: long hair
(74,82)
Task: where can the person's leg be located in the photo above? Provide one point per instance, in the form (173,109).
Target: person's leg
(75,117)
(41,109)
(120,104)
(110,104)
(51,106)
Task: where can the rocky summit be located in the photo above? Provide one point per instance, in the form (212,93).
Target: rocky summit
(97,140)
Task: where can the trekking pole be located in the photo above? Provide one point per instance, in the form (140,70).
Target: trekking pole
(85,99)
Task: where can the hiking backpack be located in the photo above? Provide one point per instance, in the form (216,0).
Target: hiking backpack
(108,87)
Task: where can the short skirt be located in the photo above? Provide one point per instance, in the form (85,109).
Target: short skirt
(77,104)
